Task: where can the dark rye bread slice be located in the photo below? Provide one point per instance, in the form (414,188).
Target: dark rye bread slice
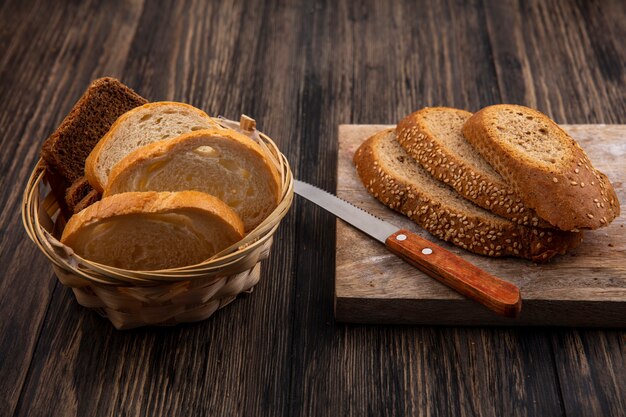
(77,191)
(80,195)
(433,136)
(399,182)
(546,167)
(90,198)
(91,117)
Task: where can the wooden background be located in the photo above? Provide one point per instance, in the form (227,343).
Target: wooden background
(300,70)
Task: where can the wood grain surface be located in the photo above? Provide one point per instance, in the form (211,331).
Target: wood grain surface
(586,287)
(300,69)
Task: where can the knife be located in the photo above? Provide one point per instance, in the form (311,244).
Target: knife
(467,279)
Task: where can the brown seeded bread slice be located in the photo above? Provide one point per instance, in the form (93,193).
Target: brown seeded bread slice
(399,182)
(546,167)
(220,162)
(141,126)
(91,117)
(434,137)
(150,231)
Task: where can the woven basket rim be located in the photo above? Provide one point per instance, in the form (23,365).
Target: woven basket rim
(227,260)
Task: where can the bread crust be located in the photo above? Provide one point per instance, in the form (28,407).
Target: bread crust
(92,160)
(571,195)
(69,145)
(76,193)
(95,111)
(155,150)
(477,234)
(424,146)
(91,197)
(151,203)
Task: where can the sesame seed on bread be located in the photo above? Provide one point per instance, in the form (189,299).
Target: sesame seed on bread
(544,165)
(433,136)
(399,182)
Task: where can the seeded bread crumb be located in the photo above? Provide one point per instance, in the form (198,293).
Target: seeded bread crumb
(399,182)
(434,137)
(544,165)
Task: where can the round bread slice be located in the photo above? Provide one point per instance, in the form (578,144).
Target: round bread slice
(546,167)
(434,137)
(138,127)
(151,231)
(399,182)
(220,162)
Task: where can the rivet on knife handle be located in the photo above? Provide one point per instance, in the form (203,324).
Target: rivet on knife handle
(497,295)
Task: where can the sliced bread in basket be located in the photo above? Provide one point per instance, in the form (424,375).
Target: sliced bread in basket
(399,182)
(544,165)
(87,122)
(150,230)
(139,127)
(434,137)
(220,162)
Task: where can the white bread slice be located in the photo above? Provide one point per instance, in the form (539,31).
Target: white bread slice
(399,182)
(223,163)
(434,137)
(138,127)
(150,231)
(546,167)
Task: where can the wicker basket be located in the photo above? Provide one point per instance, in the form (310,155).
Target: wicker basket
(166,297)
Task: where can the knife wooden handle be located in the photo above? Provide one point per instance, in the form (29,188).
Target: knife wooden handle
(469,280)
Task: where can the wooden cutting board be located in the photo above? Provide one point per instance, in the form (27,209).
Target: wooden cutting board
(586,287)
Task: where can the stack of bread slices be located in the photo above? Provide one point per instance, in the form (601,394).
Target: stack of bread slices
(506,181)
(176,186)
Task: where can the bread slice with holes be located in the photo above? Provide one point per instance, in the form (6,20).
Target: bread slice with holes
(434,137)
(220,162)
(151,231)
(141,126)
(544,165)
(399,182)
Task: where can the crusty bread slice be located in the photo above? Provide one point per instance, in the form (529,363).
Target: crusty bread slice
(399,182)
(139,127)
(434,137)
(150,231)
(546,167)
(220,162)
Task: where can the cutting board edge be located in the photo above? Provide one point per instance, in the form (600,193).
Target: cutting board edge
(594,314)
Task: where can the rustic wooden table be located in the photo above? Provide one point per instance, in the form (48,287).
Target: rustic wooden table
(300,70)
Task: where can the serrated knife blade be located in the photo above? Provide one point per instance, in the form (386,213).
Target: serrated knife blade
(499,296)
(357,217)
